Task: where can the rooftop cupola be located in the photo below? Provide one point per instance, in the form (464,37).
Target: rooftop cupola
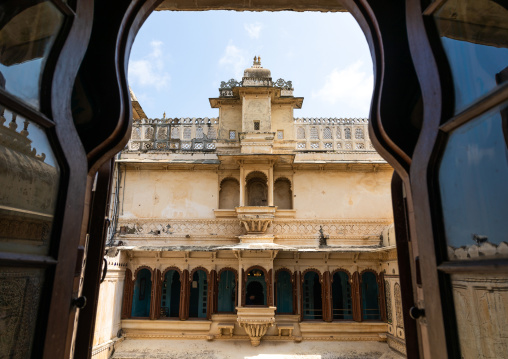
(256,75)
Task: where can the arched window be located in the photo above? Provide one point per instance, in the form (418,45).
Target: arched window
(327,133)
(142,294)
(199,132)
(359,134)
(187,133)
(347,133)
(212,133)
(313,133)
(282,194)
(339,133)
(312,298)
(257,189)
(136,133)
(341,296)
(229,194)
(300,133)
(170,296)
(198,294)
(175,133)
(227,292)
(284,292)
(370,297)
(255,287)
(149,133)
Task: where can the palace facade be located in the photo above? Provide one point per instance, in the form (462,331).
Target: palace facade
(253,226)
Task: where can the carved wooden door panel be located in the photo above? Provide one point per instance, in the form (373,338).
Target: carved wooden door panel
(459,177)
(43,170)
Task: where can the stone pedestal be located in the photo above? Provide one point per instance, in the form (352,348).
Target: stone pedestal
(256,321)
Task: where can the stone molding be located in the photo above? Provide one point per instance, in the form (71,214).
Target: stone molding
(282,228)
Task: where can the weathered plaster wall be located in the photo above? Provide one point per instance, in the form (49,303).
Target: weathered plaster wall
(169,194)
(256,108)
(342,194)
(230,119)
(233,349)
(282,119)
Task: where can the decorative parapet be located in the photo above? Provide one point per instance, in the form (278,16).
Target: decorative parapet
(174,134)
(226,87)
(256,322)
(232,228)
(332,134)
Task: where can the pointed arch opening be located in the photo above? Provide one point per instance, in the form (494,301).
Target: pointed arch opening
(229,194)
(142,294)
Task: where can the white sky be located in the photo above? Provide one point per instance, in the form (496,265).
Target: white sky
(179,59)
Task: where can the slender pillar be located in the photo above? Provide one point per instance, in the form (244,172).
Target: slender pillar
(356,297)
(184,296)
(270,186)
(382,295)
(155,301)
(210,302)
(241,286)
(300,294)
(294,282)
(327,298)
(242,186)
(269,289)
(128,291)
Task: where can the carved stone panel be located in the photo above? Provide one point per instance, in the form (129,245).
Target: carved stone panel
(20,291)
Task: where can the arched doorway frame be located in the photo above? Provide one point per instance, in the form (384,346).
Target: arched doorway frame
(378,34)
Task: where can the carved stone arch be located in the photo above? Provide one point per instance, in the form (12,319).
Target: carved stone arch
(312,270)
(256,267)
(256,188)
(180,272)
(283,193)
(225,269)
(284,269)
(135,275)
(348,273)
(369,270)
(229,193)
(199,268)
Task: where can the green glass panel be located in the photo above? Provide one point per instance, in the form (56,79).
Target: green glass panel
(27,34)
(474,35)
(29,178)
(473,178)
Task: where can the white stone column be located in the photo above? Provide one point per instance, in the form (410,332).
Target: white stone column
(270,186)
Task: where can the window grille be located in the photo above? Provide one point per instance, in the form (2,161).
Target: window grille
(338,133)
(174,145)
(136,133)
(175,133)
(149,133)
(348,146)
(212,133)
(199,132)
(360,146)
(328,145)
(301,145)
(313,133)
(186,146)
(162,133)
(347,133)
(359,134)
(187,133)
(339,146)
(256,125)
(314,145)
(280,134)
(327,133)
(300,133)
(198,146)
(210,146)
(232,135)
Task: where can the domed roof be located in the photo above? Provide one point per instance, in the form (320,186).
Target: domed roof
(256,70)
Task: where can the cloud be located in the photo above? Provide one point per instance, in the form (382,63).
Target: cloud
(234,58)
(254,29)
(149,71)
(350,87)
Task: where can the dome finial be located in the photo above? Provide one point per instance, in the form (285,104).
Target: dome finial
(257,61)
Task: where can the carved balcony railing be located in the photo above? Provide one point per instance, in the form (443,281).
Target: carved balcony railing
(226,87)
(332,134)
(174,134)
